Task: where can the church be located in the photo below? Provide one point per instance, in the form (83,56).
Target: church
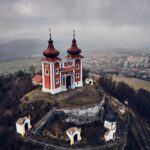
(61,74)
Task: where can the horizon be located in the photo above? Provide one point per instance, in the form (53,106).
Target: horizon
(98,24)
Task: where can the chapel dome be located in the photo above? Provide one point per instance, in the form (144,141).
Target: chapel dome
(50,51)
(74,50)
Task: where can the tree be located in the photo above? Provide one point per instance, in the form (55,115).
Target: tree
(85,73)
(138,100)
(32,70)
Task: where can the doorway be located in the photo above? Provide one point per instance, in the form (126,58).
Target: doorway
(68,82)
(75,138)
(26,126)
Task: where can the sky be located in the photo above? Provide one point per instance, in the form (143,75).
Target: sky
(98,23)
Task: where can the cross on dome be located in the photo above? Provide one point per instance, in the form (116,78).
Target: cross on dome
(74,50)
(50,52)
(50,32)
(74,31)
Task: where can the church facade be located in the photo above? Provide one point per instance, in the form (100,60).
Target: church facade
(61,74)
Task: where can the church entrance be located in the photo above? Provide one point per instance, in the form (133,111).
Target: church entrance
(68,82)
(26,126)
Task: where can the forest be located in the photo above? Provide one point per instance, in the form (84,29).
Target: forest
(12,88)
(137,100)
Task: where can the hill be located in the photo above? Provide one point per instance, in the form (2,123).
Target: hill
(23,64)
(20,49)
(83,96)
(133,82)
(24,49)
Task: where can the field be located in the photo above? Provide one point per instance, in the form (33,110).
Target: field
(13,66)
(24,64)
(133,82)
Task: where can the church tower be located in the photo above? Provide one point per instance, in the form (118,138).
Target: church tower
(76,58)
(51,64)
(61,74)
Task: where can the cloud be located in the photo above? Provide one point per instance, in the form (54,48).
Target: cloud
(99,23)
(24,8)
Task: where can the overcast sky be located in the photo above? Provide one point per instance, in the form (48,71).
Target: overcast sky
(98,23)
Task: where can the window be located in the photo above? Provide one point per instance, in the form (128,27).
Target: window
(47,72)
(57,71)
(77,66)
(57,81)
(77,75)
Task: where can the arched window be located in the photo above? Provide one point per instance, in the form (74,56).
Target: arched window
(47,72)
(77,66)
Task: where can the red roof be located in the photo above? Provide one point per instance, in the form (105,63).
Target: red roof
(37,79)
(66,69)
(50,52)
(74,50)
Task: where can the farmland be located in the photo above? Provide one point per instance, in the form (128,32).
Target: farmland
(133,82)
(24,64)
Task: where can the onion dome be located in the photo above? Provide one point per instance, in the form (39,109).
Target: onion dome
(74,50)
(50,52)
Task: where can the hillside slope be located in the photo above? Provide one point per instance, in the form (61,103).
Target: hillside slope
(133,82)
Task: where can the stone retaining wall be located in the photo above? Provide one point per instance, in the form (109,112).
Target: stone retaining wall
(77,115)
(83,114)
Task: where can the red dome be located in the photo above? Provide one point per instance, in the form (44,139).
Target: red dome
(50,51)
(74,50)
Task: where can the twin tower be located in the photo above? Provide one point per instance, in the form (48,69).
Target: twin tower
(61,74)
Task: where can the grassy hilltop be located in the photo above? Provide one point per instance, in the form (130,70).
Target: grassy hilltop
(133,82)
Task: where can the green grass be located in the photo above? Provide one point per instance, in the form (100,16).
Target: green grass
(24,64)
(13,66)
(37,95)
(133,82)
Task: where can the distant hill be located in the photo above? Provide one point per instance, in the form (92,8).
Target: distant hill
(22,49)
(131,51)
(33,48)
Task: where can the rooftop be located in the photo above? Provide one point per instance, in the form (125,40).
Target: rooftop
(21,120)
(37,79)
